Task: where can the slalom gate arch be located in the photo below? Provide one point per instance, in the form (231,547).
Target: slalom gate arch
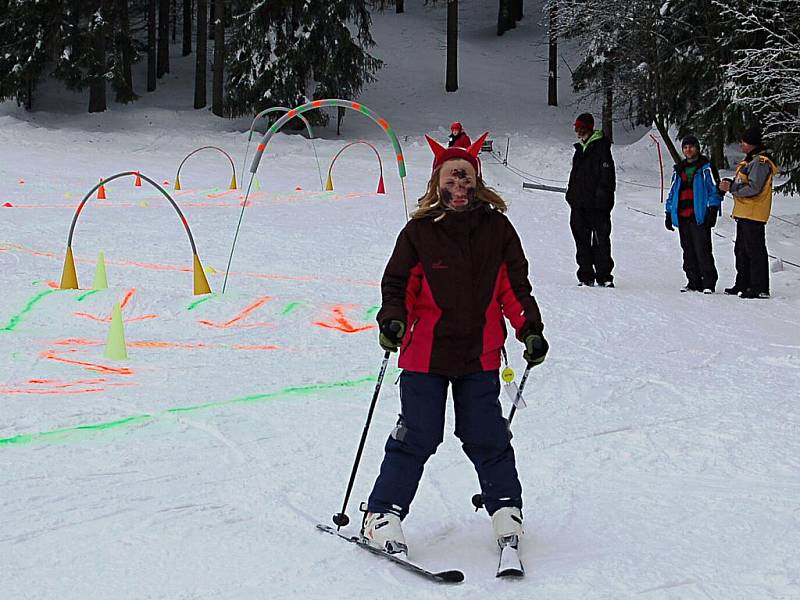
(233,184)
(69,277)
(329,183)
(313,105)
(263,114)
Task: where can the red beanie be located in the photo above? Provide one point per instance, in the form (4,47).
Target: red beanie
(441,154)
(585,121)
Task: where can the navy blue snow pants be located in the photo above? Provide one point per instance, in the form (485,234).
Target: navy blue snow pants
(480,426)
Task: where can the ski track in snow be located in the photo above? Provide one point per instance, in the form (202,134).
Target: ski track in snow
(658,453)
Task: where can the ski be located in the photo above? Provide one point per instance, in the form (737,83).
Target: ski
(452,576)
(510,565)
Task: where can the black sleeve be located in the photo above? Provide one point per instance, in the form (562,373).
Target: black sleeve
(395,279)
(607,183)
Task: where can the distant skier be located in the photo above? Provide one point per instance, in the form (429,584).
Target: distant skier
(752,203)
(693,204)
(458,137)
(457,268)
(590,195)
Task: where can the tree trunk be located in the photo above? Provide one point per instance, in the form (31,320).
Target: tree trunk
(211,20)
(717,144)
(504,21)
(608,99)
(339,116)
(187,27)
(664,132)
(151,45)
(97,87)
(552,60)
(516,10)
(162,66)
(219,59)
(202,59)
(174,17)
(451,78)
(29,95)
(400,6)
(126,93)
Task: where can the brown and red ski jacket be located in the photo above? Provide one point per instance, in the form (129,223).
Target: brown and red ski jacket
(451,281)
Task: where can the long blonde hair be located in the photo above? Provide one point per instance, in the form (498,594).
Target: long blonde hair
(431,205)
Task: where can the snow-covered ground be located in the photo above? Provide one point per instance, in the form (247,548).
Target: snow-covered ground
(658,454)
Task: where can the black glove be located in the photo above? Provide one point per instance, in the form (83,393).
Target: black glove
(391,336)
(536,348)
(668,222)
(711,216)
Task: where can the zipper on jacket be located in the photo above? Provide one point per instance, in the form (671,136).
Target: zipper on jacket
(410,336)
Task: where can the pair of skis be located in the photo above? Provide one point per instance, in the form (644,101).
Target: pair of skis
(509,566)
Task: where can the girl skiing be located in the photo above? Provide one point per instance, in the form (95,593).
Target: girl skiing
(457,268)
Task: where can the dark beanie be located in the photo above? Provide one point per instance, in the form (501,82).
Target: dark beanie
(691,140)
(752,136)
(585,121)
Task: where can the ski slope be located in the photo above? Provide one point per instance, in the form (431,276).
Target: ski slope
(658,453)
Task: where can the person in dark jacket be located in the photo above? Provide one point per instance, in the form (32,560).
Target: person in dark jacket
(457,269)
(458,137)
(693,205)
(590,195)
(752,204)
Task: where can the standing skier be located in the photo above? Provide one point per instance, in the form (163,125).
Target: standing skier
(457,268)
(693,205)
(752,204)
(590,195)
(458,137)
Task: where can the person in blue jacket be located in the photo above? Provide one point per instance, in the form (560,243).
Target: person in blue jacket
(693,205)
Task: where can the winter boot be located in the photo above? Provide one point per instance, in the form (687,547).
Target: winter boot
(507,524)
(383,531)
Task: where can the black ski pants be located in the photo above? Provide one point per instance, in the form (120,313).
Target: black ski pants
(591,229)
(698,256)
(752,261)
(480,426)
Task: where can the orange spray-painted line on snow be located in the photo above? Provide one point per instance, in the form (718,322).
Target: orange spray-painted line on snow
(241,315)
(128,295)
(97,368)
(255,347)
(52,387)
(162,344)
(341,323)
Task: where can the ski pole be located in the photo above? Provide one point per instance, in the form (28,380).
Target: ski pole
(341,519)
(477,499)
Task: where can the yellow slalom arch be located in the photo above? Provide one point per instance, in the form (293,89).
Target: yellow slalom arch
(69,275)
(329,184)
(233,185)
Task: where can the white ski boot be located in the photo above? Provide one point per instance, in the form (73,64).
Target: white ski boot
(383,531)
(507,524)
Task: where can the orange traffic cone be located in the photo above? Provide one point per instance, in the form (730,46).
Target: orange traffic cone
(138,181)
(101,193)
(381,189)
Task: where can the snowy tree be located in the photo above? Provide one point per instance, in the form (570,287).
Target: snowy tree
(764,79)
(288,52)
(28,30)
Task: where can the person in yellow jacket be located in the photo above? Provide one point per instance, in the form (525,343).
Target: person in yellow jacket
(751,188)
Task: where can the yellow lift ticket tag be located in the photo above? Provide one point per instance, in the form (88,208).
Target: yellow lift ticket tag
(508,374)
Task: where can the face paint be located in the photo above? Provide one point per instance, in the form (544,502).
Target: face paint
(457,187)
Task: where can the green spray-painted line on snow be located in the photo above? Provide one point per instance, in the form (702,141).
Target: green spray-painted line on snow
(15,320)
(303,390)
(290,308)
(371,312)
(83,297)
(194,304)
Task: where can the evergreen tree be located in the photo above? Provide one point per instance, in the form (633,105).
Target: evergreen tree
(287,52)
(28,33)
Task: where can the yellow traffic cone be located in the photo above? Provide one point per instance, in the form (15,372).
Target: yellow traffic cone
(177,183)
(69,277)
(115,343)
(233,182)
(329,184)
(200,282)
(100,279)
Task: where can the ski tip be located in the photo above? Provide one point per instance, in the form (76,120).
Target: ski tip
(511,573)
(450,576)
